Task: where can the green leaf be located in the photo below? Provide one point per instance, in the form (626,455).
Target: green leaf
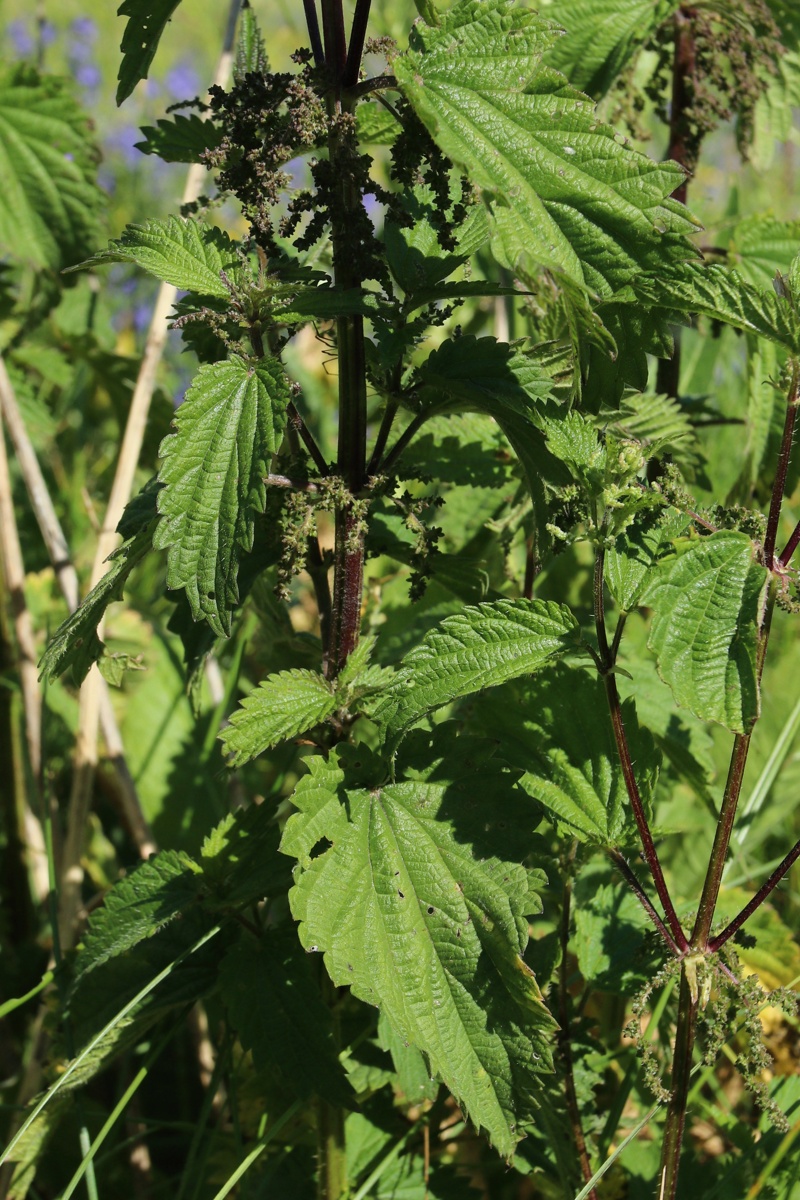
(630,560)
(611,934)
(416,913)
(282,707)
(415,255)
(147,20)
(469,374)
(557,730)
(707,607)
(183,138)
(276,1008)
(774,115)
(602,36)
(213,468)
(761,245)
(723,295)
(479,647)
(413,1075)
(50,204)
(75,645)
(658,424)
(251,54)
(565,191)
(137,907)
(240,860)
(190,256)
(375,125)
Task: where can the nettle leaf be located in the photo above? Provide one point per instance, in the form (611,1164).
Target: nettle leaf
(182,252)
(556,729)
(213,470)
(75,645)
(414,910)
(629,561)
(602,36)
(761,245)
(251,53)
(723,295)
(138,906)
(147,20)
(564,189)
(50,204)
(183,138)
(282,706)
(707,606)
(774,115)
(657,423)
(469,374)
(415,255)
(275,1006)
(479,647)
(612,940)
(240,860)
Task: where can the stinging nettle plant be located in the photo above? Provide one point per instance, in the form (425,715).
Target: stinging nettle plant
(536,569)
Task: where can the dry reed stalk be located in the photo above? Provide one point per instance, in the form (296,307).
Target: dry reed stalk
(85,759)
(67,578)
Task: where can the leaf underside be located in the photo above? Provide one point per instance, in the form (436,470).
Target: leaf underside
(147,20)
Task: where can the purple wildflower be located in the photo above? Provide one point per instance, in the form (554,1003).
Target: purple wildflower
(88,75)
(21,38)
(123,141)
(182,81)
(85,29)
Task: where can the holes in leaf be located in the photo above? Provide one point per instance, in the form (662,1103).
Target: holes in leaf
(431,910)
(402,895)
(321,847)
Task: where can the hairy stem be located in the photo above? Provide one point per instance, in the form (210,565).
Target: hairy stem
(312,23)
(298,424)
(676,1110)
(334,38)
(355,50)
(785,557)
(564,1043)
(623,750)
(757,900)
(348,575)
(688,1007)
(722,837)
(636,887)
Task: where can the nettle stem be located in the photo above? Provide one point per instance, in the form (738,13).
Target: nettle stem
(348,574)
(606,663)
(701,941)
(564,1036)
(681,1071)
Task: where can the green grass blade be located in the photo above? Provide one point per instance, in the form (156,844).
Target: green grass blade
(97,1039)
(257,1151)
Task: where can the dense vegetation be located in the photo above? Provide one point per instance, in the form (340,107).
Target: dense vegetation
(449,712)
